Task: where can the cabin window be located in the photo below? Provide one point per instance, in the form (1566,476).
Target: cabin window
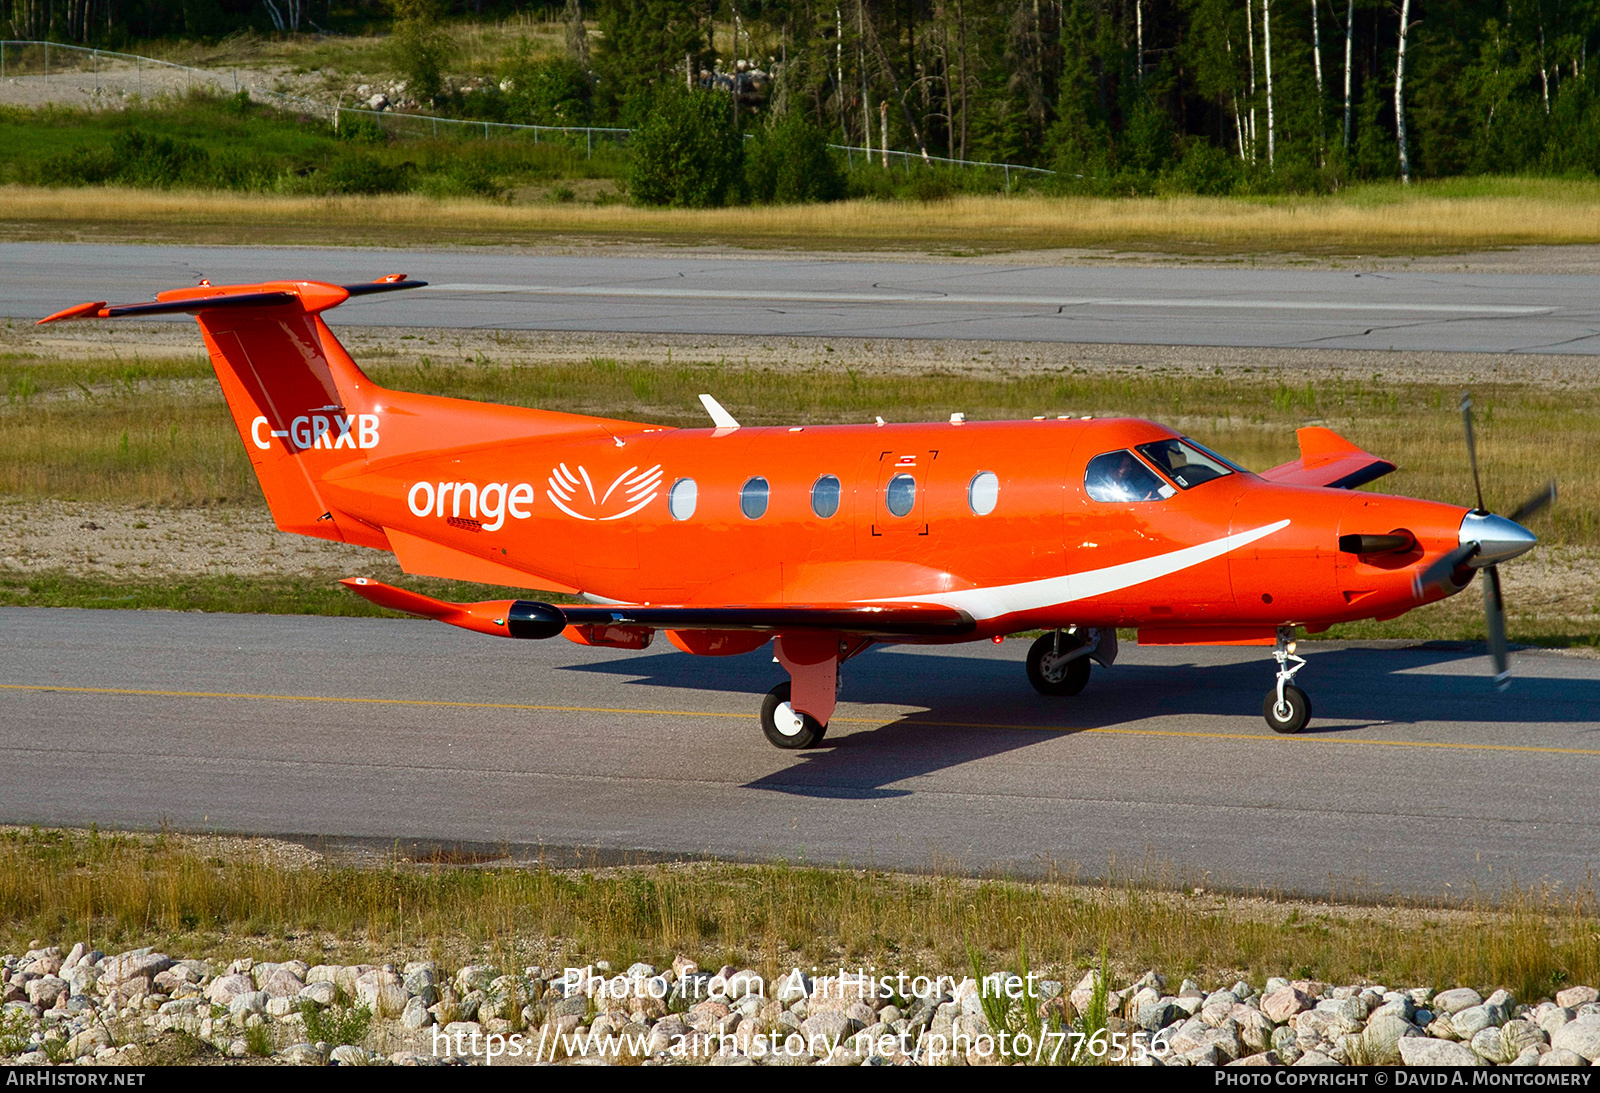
(753,498)
(983,493)
(1120,476)
(825,496)
(681,498)
(901,495)
(1185,463)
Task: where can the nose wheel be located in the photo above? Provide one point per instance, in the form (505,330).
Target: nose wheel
(1058,664)
(1287,708)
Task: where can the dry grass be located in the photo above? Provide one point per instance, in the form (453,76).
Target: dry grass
(191,897)
(158,431)
(1377,219)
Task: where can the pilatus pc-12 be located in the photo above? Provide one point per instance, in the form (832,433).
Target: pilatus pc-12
(827,539)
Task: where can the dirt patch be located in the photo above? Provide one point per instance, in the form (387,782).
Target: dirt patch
(408,345)
(127,540)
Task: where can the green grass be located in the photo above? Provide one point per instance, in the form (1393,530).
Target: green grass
(340,1023)
(361,50)
(207,142)
(262,595)
(120,891)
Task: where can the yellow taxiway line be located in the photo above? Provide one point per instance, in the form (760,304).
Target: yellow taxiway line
(529,707)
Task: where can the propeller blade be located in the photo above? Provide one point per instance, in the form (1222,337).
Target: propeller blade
(1534,505)
(1472,446)
(1439,572)
(1494,610)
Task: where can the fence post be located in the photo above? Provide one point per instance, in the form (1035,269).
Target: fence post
(141,77)
(236,81)
(588,138)
(2,60)
(94,62)
(47,61)
(1008,178)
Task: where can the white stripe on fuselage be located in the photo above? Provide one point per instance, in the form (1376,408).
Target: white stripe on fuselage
(1009,599)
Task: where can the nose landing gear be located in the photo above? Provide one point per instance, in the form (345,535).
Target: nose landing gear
(1287,708)
(1058,663)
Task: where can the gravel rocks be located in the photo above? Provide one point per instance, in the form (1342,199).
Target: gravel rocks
(89,1008)
(1581,1037)
(1425,1051)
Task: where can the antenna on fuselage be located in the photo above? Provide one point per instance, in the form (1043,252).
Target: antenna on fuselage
(719,417)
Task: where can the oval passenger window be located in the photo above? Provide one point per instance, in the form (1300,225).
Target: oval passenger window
(753,498)
(902,495)
(825,496)
(983,493)
(682,497)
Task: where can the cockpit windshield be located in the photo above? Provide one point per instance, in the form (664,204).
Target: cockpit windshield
(1185,462)
(1120,476)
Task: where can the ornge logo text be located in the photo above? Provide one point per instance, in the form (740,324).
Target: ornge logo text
(493,502)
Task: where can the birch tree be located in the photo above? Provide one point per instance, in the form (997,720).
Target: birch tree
(1400,94)
(1266,49)
(1349,39)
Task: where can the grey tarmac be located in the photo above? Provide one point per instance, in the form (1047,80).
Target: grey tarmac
(809,296)
(1415,778)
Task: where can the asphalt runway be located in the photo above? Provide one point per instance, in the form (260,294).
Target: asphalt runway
(1416,778)
(765,297)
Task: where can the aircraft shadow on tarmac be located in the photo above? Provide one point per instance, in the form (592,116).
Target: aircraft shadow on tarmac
(976,707)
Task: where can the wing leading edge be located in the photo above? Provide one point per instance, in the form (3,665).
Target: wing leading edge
(532,619)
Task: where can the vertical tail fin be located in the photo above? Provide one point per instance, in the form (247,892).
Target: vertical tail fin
(302,406)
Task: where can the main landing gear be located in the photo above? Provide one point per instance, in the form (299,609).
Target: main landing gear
(1058,663)
(786,726)
(1287,708)
(795,713)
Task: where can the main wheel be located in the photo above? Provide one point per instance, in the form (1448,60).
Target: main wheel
(1292,716)
(786,726)
(1053,675)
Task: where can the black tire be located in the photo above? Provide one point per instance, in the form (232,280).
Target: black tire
(1297,715)
(786,727)
(1060,681)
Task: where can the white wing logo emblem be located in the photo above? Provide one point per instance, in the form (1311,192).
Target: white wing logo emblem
(570,492)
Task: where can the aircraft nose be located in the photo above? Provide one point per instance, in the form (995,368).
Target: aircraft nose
(1498,539)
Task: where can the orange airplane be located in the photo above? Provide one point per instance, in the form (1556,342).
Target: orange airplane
(827,539)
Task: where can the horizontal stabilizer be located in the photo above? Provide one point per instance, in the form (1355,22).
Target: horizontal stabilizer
(1328,459)
(310,296)
(528,618)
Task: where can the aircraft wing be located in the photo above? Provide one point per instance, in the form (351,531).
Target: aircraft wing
(866,619)
(1328,459)
(532,619)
